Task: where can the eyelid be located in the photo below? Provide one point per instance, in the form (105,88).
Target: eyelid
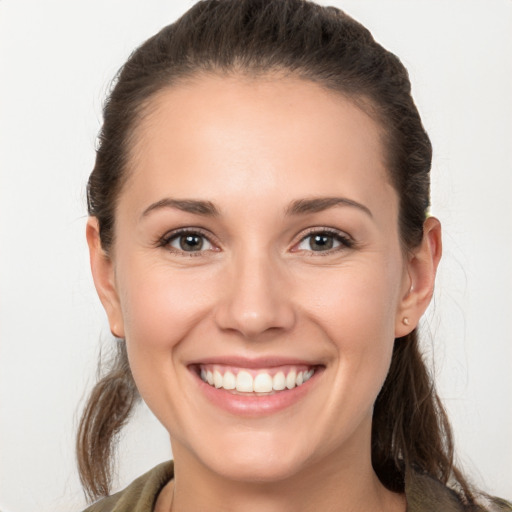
(344,238)
(165,240)
(347,242)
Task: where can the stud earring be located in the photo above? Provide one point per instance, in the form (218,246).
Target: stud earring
(405,320)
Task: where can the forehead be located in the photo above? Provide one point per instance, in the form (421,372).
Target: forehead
(216,135)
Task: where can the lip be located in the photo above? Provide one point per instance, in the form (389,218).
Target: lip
(255,363)
(252,405)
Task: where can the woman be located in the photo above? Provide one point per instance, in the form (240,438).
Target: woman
(260,241)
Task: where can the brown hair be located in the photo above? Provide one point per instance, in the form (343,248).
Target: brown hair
(320,44)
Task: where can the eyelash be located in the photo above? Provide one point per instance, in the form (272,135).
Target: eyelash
(168,238)
(344,241)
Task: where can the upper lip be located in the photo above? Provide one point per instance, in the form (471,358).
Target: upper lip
(254,363)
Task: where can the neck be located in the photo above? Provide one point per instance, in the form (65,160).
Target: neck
(340,482)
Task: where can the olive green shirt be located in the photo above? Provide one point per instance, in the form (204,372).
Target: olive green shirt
(423,494)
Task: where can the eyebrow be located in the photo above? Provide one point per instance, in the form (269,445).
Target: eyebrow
(314,205)
(298,207)
(197,207)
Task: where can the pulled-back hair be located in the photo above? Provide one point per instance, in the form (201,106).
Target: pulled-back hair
(314,43)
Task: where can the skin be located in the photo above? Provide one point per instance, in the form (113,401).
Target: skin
(252,147)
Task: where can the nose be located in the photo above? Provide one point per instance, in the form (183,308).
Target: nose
(256,298)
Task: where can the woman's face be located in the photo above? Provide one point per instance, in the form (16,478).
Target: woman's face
(257,246)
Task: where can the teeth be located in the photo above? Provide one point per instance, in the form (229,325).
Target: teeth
(218,380)
(229,381)
(291,379)
(308,375)
(262,382)
(279,381)
(244,382)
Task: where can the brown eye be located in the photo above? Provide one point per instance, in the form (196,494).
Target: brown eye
(189,242)
(324,241)
(321,242)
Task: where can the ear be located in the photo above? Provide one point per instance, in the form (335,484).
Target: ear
(104,280)
(419,278)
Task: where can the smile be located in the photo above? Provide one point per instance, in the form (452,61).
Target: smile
(245,380)
(255,388)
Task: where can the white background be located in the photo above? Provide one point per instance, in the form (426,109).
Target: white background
(57,57)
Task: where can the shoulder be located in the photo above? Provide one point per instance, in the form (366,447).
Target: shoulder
(140,495)
(425,493)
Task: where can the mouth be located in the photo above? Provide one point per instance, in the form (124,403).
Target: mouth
(255,382)
(255,388)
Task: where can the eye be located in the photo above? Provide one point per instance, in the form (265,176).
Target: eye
(324,241)
(187,241)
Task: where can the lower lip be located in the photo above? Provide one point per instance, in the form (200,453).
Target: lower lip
(255,405)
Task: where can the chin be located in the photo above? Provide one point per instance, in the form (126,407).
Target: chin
(257,457)
(259,469)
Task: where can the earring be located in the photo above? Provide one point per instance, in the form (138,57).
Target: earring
(405,320)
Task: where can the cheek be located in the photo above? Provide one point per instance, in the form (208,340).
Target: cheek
(160,305)
(356,303)
(356,310)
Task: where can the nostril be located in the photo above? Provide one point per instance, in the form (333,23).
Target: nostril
(252,320)
(255,298)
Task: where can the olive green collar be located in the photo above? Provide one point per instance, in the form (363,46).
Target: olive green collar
(423,493)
